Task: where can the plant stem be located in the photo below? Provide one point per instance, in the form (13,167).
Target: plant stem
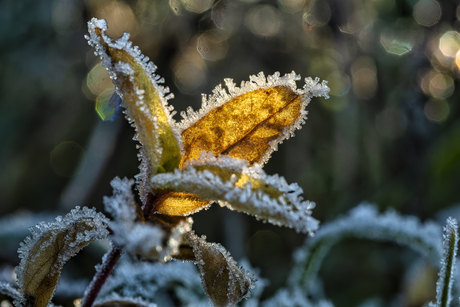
(109,261)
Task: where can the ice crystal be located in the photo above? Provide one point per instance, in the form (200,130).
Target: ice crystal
(137,237)
(224,282)
(364,221)
(116,300)
(293,297)
(242,188)
(259,89)
(448,261)
(51,246)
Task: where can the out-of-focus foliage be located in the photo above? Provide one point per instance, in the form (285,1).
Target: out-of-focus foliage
(389,134)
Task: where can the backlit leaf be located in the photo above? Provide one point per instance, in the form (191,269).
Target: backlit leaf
(224,282)
(143,97)
(248,122)
(52,245)
(239,187)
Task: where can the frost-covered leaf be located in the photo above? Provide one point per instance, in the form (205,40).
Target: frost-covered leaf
(365,222)
(10,291)
(248,122)
(115,300)
(224,282)
(156,241)
(446,274)
(239,187)
(144,99)
(51,246)
(294,297)
(165,284)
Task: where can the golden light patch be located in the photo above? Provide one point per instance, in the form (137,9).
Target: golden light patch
(179,204)
(245,126)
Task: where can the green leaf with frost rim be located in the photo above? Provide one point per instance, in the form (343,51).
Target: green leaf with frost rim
(52,244)
(268,198)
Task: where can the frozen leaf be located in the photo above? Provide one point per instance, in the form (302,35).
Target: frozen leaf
(365,222)
(115,300)
(224,282)
(239,187)
(152,281)
(446,274)
(143,97)
(51,246)
(10,291)
(248,122)
(152,241)
(293,297)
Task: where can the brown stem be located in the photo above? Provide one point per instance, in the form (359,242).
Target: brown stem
(109,261)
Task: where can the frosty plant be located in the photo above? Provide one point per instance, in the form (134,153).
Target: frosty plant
(215,154)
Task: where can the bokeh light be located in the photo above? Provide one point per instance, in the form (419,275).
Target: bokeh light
(317,14)
(197,6)
(263,20)
(427,12)
(107,104)
(364,76)
(437,84)
(339,83)
(97,81)
(395,43)
(449,43)
(189,76)
(66,157)
(212,45)
(436,110)
(6,303)
(292,6)
(119,16)
(358,21)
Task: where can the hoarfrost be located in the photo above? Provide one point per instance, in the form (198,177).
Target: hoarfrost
(51,246)
(285,207)
(220,96)
(293,297)
(137,237)
(224,282)
(150,280)
(365,222)
(448,261)
(116,300)
(10,291)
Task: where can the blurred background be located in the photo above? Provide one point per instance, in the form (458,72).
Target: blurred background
(389,134)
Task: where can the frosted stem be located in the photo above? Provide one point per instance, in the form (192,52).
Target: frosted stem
(109,261)
(446,275)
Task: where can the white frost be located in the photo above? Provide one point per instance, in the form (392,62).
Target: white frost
(138,238)
(289,210)
(220,96)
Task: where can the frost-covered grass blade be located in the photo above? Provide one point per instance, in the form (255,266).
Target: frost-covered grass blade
(365,222)
(446,274)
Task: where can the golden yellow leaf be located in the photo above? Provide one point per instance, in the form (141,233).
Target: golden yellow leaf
(52,245)
(143,97)
(246,126)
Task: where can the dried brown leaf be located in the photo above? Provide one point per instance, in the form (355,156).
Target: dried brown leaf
(224,282)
